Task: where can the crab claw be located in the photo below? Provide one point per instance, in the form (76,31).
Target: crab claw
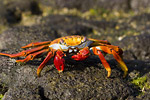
(83,54)
(59,61)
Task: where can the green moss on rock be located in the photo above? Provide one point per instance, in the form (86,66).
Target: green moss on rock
(1,96)
(141,82)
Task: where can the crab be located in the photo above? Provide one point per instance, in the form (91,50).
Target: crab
(77,47)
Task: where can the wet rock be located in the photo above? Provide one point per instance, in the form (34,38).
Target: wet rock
(25,93)
(80,80)
(146,96)
(136,47)
(3,88)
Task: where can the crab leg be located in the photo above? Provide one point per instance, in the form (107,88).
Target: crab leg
(117,55)
(23,53)
(99,41)
(59,61)
(36,44)
(48,57)
(32,56)
(103,60)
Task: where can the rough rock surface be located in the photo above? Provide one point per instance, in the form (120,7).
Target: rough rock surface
(136,47)
(74,83)
(80,80)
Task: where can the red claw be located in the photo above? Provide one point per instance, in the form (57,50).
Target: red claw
(59,61)
(82,55)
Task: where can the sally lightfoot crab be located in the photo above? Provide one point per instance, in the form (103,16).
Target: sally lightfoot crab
(78,47)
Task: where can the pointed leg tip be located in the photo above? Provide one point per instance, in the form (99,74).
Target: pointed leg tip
(109,73)
(23,47)
(38,75)
(60,71)
(38,72)
(18,61)
(5,54)
(125,74)
(26,46)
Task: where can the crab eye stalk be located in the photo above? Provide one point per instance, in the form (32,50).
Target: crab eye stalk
(76,50)
(83,39)
(62,42)
(73,50)
(70,51)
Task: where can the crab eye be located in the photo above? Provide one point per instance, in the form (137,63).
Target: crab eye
(61,41)
(75,50)
(72,47)
(70,50)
